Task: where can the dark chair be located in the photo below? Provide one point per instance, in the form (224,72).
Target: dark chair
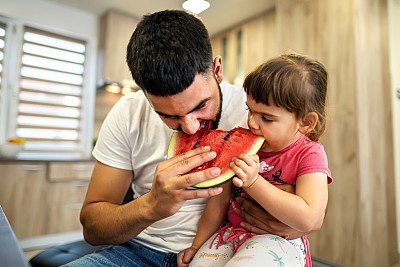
(64,253)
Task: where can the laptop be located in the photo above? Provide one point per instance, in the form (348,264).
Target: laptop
(11,253)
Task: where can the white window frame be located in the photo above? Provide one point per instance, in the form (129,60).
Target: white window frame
(11,83)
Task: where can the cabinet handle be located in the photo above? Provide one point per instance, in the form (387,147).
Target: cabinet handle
(81,168)
(79,183)
(32,167)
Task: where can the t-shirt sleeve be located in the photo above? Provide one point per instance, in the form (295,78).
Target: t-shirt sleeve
(314,159)
(112,146)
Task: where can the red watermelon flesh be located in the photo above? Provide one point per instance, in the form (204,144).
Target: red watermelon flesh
(227,144)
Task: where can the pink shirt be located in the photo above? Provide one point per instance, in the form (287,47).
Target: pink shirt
(283,167)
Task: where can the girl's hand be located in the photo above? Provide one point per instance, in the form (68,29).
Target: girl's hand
(246,168)
(185,256)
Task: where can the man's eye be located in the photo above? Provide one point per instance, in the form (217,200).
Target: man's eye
(201,106)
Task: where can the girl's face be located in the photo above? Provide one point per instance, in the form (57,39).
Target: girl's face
(279,126)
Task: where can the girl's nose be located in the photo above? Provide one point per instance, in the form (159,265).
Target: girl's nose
(251,122)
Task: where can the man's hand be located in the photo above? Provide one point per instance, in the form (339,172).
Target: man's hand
(106,221)
(259,221)
(169,190)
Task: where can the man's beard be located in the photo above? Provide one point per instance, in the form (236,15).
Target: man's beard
(215,124)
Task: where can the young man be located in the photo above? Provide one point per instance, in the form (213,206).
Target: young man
(170,58)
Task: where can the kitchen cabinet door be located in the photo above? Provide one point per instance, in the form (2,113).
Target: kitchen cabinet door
(43,198)
(116,29)
(22,197)
(64,201)
(66,171)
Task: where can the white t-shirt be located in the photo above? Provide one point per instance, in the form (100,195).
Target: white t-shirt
(133,137)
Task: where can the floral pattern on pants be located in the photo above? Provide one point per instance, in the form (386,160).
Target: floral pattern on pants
(259,250)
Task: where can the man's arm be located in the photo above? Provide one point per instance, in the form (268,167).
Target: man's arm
(106,221)
(260,221)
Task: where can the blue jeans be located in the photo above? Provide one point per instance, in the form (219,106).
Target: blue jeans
(127,254)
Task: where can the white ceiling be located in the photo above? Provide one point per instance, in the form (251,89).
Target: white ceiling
(222,14)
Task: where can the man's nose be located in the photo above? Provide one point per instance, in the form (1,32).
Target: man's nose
(190,124)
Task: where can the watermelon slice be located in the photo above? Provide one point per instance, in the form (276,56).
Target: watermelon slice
(227,144)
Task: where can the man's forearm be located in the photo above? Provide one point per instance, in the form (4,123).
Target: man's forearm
(107,223)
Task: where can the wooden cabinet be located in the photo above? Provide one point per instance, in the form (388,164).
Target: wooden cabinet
(65,171)
(64,201)
(116,29)
(246,46)
(22,197)
(226,46)
(43,198)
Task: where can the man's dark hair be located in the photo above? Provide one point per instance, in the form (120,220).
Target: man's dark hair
(167,50)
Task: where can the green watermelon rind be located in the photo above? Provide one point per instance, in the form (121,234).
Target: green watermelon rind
(172,141)
(223,178)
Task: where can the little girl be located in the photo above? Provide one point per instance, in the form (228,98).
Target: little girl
(286,101)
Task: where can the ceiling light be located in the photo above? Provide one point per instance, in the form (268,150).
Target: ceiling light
(113,88)
(196,6)
(126,89)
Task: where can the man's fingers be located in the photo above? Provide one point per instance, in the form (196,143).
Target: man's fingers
(186,155)
(264,223)
(250,228)
(189,194)
(248,208)
(248,201)
(190,179)
(252,224)
(194,161)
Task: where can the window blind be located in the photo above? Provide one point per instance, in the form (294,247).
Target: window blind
(2,46)
(49,114)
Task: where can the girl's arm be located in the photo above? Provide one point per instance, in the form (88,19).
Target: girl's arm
(212,217)
(303,211)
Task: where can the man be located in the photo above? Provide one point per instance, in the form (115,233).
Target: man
(170,58)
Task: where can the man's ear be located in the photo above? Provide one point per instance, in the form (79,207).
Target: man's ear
(307,124)
(218,69)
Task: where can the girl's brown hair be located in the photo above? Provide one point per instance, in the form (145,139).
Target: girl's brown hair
(292,81)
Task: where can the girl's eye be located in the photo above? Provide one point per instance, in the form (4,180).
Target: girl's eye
(249,110)
(266,119)
(170,117)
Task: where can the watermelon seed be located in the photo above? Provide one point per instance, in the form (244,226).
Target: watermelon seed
(195,145)
(198,142)
(227,136)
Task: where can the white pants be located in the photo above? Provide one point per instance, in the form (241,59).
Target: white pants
(259,250)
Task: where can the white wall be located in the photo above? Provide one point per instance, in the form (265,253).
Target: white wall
(57,18)
(394,58)
(53,16)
